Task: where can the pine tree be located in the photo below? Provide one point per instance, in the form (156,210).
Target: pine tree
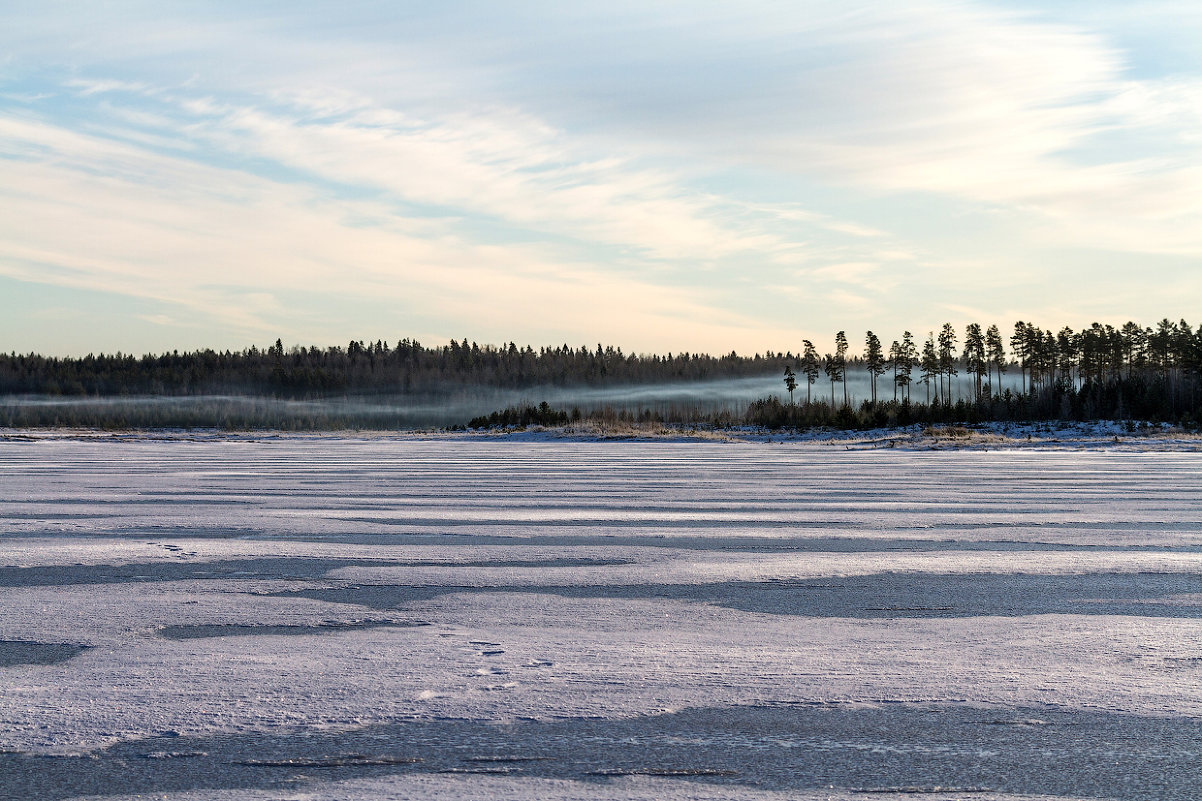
(810,365)
(1071,346)
(996,352)
(947,355)
(790,383)
(874,360)
(1160,346)
(841,355)
(1135,341)
(909,359)
(1019,346)
(1042,362)
(895,357)
(974,355)
(929,364)
(836,366)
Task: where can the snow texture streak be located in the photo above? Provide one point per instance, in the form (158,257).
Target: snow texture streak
(320,618)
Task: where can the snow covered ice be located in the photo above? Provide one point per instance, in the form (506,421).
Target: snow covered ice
(399,617)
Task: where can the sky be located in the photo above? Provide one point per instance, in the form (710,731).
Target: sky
(674,176)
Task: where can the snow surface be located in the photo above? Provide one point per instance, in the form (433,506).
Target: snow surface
(275,617)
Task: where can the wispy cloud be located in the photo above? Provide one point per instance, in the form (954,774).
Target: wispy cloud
(225,244)
(86,87)
(994,108)
(498,163)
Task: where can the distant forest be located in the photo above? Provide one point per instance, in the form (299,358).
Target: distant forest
(364,368)
(1101,372)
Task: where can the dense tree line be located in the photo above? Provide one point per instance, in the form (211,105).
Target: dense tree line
(364,368)
(1100,372)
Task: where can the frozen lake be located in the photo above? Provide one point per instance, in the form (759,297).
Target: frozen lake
(333,618)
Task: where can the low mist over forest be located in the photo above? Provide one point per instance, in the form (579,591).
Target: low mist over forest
(1101,372)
